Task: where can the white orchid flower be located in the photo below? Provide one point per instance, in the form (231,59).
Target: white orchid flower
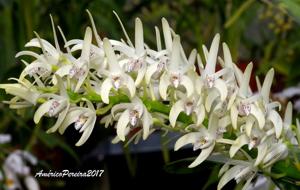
(84,119)
(209,78)
(55,106)
(135,58)
(275,152)
(160,58)
(244,104)
(204,139)
(116,77)
(80,68)
(96,55)
(24,91)
(271,114)
(134,114)
(245,172)
(189,105)
(15,170)
(253,141)
(50,58)
(175,74)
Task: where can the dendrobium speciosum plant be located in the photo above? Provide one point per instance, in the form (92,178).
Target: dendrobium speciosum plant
(138,90)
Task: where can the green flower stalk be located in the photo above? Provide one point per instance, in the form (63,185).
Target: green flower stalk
(140,90)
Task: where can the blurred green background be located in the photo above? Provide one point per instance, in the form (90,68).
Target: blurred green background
(266,32)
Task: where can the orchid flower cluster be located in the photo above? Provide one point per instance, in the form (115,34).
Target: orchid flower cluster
(138,90)
(15,169)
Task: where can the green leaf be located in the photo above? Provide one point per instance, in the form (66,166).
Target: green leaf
(239,12)
(52,141)
(213,177)
(181,166)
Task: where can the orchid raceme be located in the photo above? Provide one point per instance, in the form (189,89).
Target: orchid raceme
(140,90)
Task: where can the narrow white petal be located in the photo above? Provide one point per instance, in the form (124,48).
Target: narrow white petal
(199,85)
(130,85)
(298,130)
(227,56)
(192,57)
(80,82)
(223,169)
(41,111)
(229,175)
(122,125)
(259,115)
(238,143)
(221,86)
(158,39)
(275,118)
(231,100)
(200,112)
(86,134)
(123,28)
(213,124)
(150,71)
(98,39)
(86,47)
(205,52)
(139,37)
(111,57)
(140,76)
(261,153)
(212,57)
(175,56)
(200,64)
(266,87)
(164,83)
(203,155)
(54,34)
(189,138)
(238,74)
(175,111)
(288,116)
(147,122)
(258,84)
(188,84)
(211,97)
(246,79)
(249,124)
(105,90)
(167,34)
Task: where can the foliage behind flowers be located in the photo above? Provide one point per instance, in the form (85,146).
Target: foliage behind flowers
(139,89)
